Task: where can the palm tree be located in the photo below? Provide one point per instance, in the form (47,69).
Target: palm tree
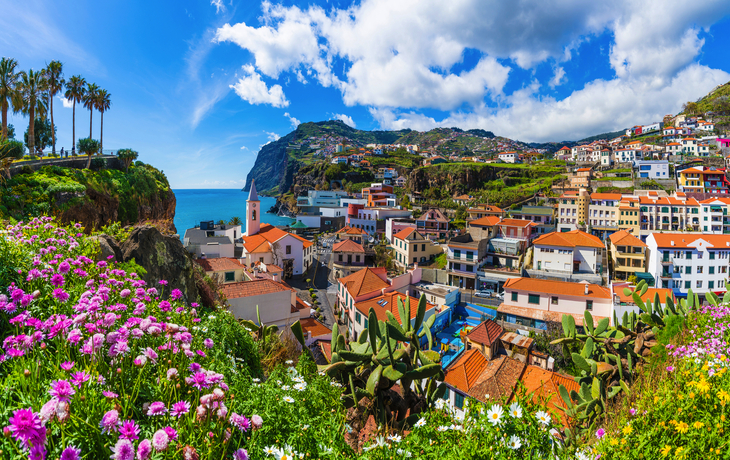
(103,102)
(9,94)
(54,76)
(75,91)
(32,85)
(89,100)
(88,146)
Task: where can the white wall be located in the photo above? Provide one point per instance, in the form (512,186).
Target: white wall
(274,308)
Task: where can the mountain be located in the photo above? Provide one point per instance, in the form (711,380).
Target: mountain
(278,162)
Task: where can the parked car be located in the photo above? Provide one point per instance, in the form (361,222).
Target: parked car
(484,293)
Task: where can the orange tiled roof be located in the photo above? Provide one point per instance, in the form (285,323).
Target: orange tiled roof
(570,239)
(216,265)
(498,380)
(365,281)
(583,169)
(724,201)
(543,315)
(464,373)
(516,222)
(648,295)
(486,333)
(347,245)
(389,302)
(261,242)
(405,233)
(252,288)
(314,326)
(622,237)
(557,287)
(486,221)
(683,240)
(352,231)
(606,196)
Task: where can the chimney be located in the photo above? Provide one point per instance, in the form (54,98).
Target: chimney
(586,289)
(309,336)
(275,276)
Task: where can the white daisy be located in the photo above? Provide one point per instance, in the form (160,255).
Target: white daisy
(289,361)
(442,428)
(514,442)
(543,417)
(494,414)
(421,422)
(285,387)
(394,438)
(300,386)
(288,399)
(269,450)
(515,410)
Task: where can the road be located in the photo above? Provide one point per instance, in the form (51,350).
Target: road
(319,273)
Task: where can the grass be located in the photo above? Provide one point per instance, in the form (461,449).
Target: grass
(440,261)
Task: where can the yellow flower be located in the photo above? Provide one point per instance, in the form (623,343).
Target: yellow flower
(623,442)
(656,399)
(678,451)
(682,427)
(627,430)
(666,450)
(698,425)
(614,442)
(703,386)
(692,394)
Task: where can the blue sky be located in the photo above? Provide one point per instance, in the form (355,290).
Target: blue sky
(198,87)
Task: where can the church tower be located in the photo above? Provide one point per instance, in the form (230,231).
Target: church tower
(253,211)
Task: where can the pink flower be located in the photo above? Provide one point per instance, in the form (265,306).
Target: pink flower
(240,454)
(67,365)
(110,421)
(125,293)
(109,394)
(60,294)
(78,378)
(257,421)
(129,430)
(670,368)
(160,440)
(70,453)
(240,422)
(157,408)
(64,267)
(600,433)
(208,343)
(632,411)
(180,408)
(171,433)
(176,294)
(26,426)
(57,280)
(144,450)
(61,390)
(123,450)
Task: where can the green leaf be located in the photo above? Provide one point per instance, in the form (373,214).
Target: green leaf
(430,321)
(296,328)
(404,317)
(581,362)
(644,288)
(352,356)
(624,387)
(639,303)
(690,299)
(596,388)
(602,326)
(373,327)
(588,322)
(628,292)
(588,348)
(335,334)
(396,333)
(424,372)
(363,336)
(566,398)
(420,313)
(568,326)
(395,372)
(373,380)
(430,355)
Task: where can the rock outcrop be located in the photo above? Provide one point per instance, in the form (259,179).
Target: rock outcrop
(164,258)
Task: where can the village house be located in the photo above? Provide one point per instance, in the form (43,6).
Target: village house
(347,256)
(433,224)
(573,255)
(277,304)
(223,270)
(411,247)
(464,256)
(628,254)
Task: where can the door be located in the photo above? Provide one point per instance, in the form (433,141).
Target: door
(288,268)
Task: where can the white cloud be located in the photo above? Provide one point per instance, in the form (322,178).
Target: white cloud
(68,104)
(243,147)
(253,89)
(400,56)
(219,6)
(294,122)
(273,137)
(345,119)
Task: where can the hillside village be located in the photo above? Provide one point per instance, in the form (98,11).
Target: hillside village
(631,209)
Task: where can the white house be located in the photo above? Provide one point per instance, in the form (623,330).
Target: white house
(211,240)
(270,245)
(531,302)
(277,304)
(574,252)
(684,261)
(508,157)
(658,169)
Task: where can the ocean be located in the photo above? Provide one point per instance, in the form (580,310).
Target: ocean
(194,206)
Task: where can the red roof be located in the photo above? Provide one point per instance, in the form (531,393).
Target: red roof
(606,196)
(365,281)
(405,233)
(544,386)
(252,288)
(486,221)
(648,295)
(261,242)
(347,245)
(464,373)
(315,327)
(683,240)
(516,223)
(622,237)
(486,333)
(575,238)
(220,264)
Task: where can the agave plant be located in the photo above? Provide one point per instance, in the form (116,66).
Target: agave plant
(261,332)
(389,353)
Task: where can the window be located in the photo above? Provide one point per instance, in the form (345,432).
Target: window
(261,259)
(358,317)
(710,285)
(699,283)
(253,215)
(459,400)
(589,305)
(230,276)
(688,254)
(514,297)
(699,269)
(554,300)
(288,249)
(357,258)
(446,394)
(423,247)
(533,299)
(712,255)
(687,284)
(415,248)
(712,270)
(688,270)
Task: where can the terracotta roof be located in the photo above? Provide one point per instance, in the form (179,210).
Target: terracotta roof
(252,288)
(389,302)
(724,201)
(544,386)
(498,380)
(314,326)
(583,169)
(558,287)
(648,295)
(347,245)
(683,240)
(351,231)
(486,333)
(543,315)
(486,221)
(221,264)
(575,238)
(516,222)
(486,208)
(261,242)
(405,233)
(326,348)
(624,238)
(465,372)
(438,216)
(606,196)
(365,281)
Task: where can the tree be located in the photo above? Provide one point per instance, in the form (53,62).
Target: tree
(32,86)
(690,108)
(11,132)
(235,221)
(221,222)
(75,91)
(9,94)
(43,136)
(54,77)
(103,102)
(127,156)
(89,100)
(88,146)
(9,151)
(325,185)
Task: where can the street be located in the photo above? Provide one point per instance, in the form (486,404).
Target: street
(319,273)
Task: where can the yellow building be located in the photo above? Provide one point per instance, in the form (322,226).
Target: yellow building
(629,214)
(411,247)
(628,254)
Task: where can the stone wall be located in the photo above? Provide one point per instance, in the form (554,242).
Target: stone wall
(79,162)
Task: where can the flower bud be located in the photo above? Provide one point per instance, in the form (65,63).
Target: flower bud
(119,370)
(43,345)
(26,373)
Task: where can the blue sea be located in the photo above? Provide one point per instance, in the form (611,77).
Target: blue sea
(194,206)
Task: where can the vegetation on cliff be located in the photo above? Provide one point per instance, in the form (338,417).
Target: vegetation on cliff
(96,196)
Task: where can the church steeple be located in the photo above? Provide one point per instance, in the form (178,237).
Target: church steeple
(253,211)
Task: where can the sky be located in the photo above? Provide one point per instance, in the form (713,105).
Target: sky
(197,87)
